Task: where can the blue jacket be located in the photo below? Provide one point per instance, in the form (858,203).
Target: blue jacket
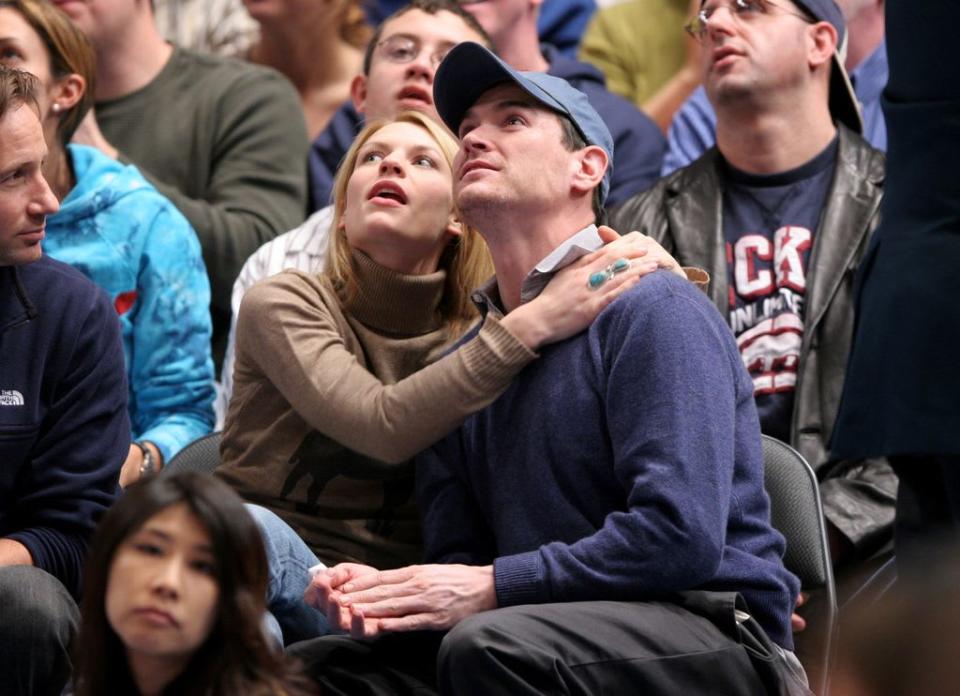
(638,143)
(622,465)
(121,233)
(64,431)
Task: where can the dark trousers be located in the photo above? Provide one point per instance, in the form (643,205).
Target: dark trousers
(927,520)
(692,646)
(38,619)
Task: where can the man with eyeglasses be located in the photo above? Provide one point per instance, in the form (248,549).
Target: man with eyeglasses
(780,213)
(512,26)
(693,129)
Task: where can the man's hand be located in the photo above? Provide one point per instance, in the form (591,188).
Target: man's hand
(14,553)
(88,133)
(416,598)
(797,622)
(652,251)
(130,471)
(324,591)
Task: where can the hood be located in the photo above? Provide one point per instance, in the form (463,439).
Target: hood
(101,182)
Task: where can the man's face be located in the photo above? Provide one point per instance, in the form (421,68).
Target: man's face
(760,47)
(511,154)
(497,17)
(25,197)
(394,87)
(102,20)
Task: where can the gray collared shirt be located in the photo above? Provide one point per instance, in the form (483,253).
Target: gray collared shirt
(584,242)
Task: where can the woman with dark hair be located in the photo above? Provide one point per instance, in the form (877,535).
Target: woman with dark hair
(116,229)
(174,597)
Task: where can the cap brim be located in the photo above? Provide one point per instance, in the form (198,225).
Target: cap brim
(466,73)
(844,105)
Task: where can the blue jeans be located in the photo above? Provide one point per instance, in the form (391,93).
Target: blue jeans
(289,559)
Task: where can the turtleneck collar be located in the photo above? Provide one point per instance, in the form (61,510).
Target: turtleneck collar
(396,303)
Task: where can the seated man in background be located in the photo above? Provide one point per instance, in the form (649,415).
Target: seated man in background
(64,430)
(779,214)
(693,130)
(602,527)
(224,140)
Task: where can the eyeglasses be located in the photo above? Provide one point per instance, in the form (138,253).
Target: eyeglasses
(743,11)
(401,48)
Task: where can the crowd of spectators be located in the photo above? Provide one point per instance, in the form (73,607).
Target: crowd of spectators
(472,439)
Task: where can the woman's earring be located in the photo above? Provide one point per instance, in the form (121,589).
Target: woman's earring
(55,108)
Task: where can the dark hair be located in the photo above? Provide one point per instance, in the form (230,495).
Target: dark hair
(70,53)
(572,141)
(235,658)
(16,89)
(431,7)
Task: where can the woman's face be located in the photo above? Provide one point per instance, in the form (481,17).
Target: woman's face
(22,48)
(162,592)
(400,200)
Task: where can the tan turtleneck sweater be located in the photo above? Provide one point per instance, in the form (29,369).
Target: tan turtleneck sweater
(331,402)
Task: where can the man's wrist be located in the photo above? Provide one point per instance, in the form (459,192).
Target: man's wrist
(151,462)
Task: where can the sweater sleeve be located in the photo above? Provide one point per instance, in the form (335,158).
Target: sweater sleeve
(672,387)
(291,335)
(75,464)
(257,187)
(692,132)
(171,371)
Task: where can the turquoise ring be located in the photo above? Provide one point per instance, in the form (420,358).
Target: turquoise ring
(597,279)
(619,266)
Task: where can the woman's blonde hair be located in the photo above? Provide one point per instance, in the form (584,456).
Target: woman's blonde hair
(70,53)
(466,259)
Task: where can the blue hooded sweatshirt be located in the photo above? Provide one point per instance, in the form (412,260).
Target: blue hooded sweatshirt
(121,233)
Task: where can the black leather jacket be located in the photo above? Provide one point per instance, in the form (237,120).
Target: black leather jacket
(684,213)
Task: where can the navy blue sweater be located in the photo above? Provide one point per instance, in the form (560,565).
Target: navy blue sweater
(64,431)
(623,464)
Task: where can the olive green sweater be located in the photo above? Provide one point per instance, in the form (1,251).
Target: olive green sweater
(226,142)
(330,404)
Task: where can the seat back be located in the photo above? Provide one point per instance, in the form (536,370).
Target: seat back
(203,454)
(797,513)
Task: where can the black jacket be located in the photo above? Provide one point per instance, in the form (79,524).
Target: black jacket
(684,213)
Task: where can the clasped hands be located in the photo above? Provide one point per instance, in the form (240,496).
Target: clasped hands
(367,602)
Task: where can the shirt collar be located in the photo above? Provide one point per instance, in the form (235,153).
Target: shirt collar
(870,77)
(584,242)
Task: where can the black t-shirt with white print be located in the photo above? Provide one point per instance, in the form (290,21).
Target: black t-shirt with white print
(768,225)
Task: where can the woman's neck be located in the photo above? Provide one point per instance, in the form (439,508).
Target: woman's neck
(320,70)
(58,171)
(153,674)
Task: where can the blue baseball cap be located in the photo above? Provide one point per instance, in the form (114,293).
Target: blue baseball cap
(469,70)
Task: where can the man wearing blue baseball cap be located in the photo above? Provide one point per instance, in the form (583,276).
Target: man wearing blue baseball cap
(780,213)
(602,527)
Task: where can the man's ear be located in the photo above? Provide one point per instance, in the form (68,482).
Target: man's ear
(67,91)
(823,43)
(358,92)
(593,162)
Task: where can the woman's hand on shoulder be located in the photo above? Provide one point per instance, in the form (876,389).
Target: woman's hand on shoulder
(579,292)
